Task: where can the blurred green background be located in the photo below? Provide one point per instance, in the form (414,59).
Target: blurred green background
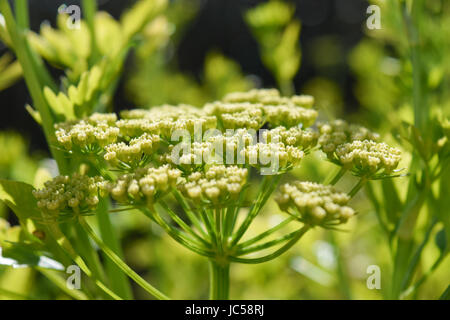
(197,51)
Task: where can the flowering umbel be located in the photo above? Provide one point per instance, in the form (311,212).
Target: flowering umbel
(78,193)
(203,158)
(314,204)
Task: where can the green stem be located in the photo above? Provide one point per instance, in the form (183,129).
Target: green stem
(117,278)
(357,187)
(14,295)
(421,110)
(190,214)
(338,176)
(267,244)
(22,15)
(266,233)
(62,241)
(84,246)
(416,258)
(275,254)
(219,280)
(413,289)
(286,87)
(210,226)
(122,265)
(269,183)
(89,10)
(33,81)
(177,235)
(183,224)
(218,230)
(60,282)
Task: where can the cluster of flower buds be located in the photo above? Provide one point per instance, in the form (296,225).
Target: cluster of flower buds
(251,110)
(163,112)
(88,134)
(314,204)
(132,154)
(216,184)
(337,132)
(165,120)
(368,157)
(78,193)
(144,184)
(270,97)
(279,149)
(295,137)
(290,116)
(276,156)
(237,115)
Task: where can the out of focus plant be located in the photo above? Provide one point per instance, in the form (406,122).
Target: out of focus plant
(404,70)
(10,71)
(155,78)
(136,161)
(206,191)
(277,32)
(92,72)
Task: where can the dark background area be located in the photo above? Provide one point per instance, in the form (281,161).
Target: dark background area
(219,25)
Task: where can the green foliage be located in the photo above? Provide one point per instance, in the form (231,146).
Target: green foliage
(403,69)
(277,32)
(221,212)
(155,78)
(10,71)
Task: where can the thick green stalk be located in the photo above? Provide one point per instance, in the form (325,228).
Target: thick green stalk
(22,14)
(122,265)
(84,246)
(56,278)
(117,278)
(338,176)
(357,187)
(416,258)
(219,280)
(63,242)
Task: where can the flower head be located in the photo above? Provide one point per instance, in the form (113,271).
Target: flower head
(314,204)
(368,158)
(275,157)
(295,137)
(237,115)
(134,154)
(88,135)
(165,120)
(337,132)
(78,193)
(269,97)
(253,109)
(145,184)
(216,184)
